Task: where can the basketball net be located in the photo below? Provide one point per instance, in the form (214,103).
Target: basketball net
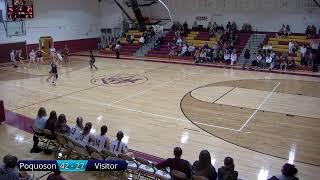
(158,29)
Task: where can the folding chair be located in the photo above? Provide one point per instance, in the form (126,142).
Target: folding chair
(62,142)
(51,137)
(81,150)
(133,165)
(162,174)
(178,175)
(146,169)
(199,178)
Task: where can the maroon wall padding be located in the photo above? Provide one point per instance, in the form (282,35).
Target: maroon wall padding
(5,50)
(2,113)
(73,45)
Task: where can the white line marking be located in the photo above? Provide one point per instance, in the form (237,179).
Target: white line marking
(264,101)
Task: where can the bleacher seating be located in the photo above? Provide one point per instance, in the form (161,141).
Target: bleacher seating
(280,44)
(198,39)
(126,48)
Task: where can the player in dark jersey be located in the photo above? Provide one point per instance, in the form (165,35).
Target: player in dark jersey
(39,56)
(92,61)
(65,54)
(53,72)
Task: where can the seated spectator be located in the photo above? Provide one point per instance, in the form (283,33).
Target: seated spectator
(179,41)
(196,56)
(185,26)
(9,169)
(233,58)
(184,50)
(203,55)
(254,62)
(283,64)
(39,124)
(220,28)
(203,166)
(119,147)
(205,46)
(234,27)
(268,61)
(227,57)
(62,126)
(209,55)
(176,163)
(303,51)
(228,26)
(227,171)
(288,172)
(191,49)
(102,141)
(85,136)
(56,176)
(51,122)
(178,33)
(291,63)
(77,129)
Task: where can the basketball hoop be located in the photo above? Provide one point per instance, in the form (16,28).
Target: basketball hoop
(14,27)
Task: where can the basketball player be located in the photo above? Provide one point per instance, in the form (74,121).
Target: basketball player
(32,58)
(92,61)
(118,50)
(52,53)
(102,141)
(39,56)
(13,58)
(53,72)
(66,54)
(59,56)
(19,57)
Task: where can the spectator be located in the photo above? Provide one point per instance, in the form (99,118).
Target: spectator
(195,26)
(221,56)
(173,51)
(203,166)
(246,56)
(203,55)
(179,41)
(131,38)
(227,56)
(209,26)
(185,26)
(157,45)
(62,126)
(39,124)
(56,176)
(303,51)
(196,56)
(176,163)
(9,170)
(85,137)
(51,122)
(282,31)
(291,46)
(288,172)
(291,63)
(233,58)
(77,129)
(234,27)
(268,61)
(205,46)
(191,49)
(141,40)
(184,50)
(102,141)
(288,30)
(227,171)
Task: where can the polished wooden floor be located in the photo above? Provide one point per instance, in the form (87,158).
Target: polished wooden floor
(261,119)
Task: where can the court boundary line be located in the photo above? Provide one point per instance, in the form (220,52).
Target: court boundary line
(259,107)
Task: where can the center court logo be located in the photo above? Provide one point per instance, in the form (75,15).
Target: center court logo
(119,80)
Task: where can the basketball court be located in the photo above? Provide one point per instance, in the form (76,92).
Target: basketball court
(261,119)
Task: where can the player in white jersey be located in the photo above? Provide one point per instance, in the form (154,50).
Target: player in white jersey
(85,137)
(52,53)
(59,56)
(102,142)
(117,146)
(76,129)
(32,57)
(13,58)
